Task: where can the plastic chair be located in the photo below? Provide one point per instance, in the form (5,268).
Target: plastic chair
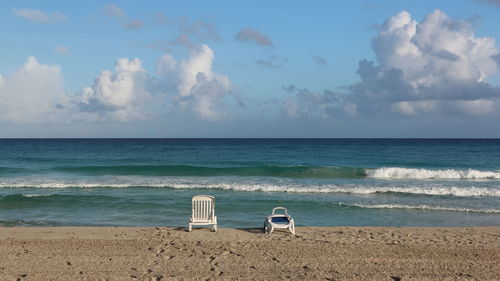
(276,220)
(203,212)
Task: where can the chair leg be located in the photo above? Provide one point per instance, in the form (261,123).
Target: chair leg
(190,228)
(215,228)
(268,227)
(292,228)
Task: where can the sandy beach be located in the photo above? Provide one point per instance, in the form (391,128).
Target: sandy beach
(316,253)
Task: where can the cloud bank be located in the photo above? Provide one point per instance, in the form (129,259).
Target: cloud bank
(34,93)
(437,67)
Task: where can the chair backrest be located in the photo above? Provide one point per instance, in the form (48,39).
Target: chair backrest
(285,211)
(203,208)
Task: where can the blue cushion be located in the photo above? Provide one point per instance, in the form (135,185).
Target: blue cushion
(280,219)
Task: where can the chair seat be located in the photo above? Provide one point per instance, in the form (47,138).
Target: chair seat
(280,220)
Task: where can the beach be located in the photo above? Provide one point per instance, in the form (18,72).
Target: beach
(315,253)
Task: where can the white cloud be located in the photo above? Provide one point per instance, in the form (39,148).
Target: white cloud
(39,16)
(437,49)
(32,94)
(414,107)
(117,95)
(198,87)
(469,107)
(130,93)
(476,107)
(437,66)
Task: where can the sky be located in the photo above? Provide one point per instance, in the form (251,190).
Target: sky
(395,69)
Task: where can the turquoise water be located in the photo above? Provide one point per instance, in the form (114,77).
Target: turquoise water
(323,182)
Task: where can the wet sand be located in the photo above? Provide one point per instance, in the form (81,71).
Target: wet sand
(316,253)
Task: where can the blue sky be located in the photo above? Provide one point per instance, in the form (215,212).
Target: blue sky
(255,69)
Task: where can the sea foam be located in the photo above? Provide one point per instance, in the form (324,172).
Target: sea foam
(422,207)
(256,185)
(408,173)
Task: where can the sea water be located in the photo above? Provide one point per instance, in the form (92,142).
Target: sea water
(322,182)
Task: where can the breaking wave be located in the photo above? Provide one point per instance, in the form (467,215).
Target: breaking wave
(319,172)
(253,185)
(407,173)
(422,207)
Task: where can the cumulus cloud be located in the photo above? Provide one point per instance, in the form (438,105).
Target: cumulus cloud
(114,11)
(198,88)
(437,66)
(187,85)
(249,35)
(117,95)
(39,16)
(32,94)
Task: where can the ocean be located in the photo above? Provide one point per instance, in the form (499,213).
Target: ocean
(322,182)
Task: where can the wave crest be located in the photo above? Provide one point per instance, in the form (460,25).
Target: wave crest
(422,207)
(409,173)
(254,186)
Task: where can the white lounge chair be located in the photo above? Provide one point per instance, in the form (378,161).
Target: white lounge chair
(276,220)
(203,207)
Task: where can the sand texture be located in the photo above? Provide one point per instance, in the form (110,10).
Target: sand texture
(326,253)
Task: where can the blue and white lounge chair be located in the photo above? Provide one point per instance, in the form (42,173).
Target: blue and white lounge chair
(276,220)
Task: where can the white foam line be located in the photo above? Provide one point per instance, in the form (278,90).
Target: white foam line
(36,195)
(408,173)
(442,190)
(423,207)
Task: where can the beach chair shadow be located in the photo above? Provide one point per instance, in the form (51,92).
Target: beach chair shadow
(251,230)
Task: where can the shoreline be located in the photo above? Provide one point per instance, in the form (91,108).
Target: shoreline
(315,253)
